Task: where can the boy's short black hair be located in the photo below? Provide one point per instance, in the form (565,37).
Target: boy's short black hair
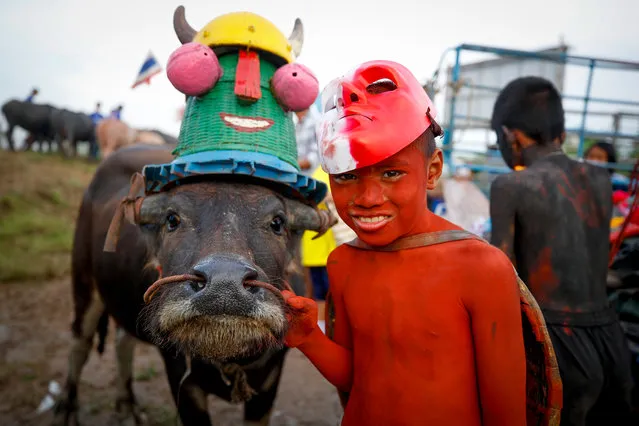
(531,105)
(426,140)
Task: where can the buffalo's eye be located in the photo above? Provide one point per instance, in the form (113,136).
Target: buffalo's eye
(172,222)
(277,225)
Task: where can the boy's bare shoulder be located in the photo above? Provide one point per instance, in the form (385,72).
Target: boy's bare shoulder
(480,257)
(339,254)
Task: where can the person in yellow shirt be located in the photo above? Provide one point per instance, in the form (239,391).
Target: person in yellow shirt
(315,252)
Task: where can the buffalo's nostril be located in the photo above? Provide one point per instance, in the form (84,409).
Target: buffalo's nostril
(251,274)
(198,285)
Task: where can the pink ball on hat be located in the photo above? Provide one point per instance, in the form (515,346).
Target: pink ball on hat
(193,69)
(295,87)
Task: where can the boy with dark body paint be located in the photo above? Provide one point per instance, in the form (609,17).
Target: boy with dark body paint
(553,221)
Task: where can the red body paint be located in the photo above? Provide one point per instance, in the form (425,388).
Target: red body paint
(394,189)
(542,280)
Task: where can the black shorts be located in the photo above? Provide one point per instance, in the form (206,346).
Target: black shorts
(595,368)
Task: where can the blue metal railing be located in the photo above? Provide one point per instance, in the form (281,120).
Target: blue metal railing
(557,57)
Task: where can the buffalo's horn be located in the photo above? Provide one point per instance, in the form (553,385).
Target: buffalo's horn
(184,31)
(297,37)
(302,217)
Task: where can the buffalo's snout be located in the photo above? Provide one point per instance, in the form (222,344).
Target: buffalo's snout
(223,287)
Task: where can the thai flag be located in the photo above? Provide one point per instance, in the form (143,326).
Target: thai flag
(149,68)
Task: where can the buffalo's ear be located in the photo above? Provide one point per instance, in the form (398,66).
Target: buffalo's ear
(152,210)
(302,217)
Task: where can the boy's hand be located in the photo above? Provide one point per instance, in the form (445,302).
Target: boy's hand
(302,318)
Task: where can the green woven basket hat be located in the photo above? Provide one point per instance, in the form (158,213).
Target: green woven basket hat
(223,134)
(219,121)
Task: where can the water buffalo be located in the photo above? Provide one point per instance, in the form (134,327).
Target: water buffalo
(219,328)
(113,134)
(34,118)
(73,127)
(155,136)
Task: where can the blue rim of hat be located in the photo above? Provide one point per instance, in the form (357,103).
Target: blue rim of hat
(253,164)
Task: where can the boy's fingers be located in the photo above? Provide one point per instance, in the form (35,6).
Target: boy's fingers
(287,294)
(297,303)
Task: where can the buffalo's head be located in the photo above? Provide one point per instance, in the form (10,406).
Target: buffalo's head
(227,234)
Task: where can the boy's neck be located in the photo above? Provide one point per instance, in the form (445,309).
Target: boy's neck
(430,222)
(533,153)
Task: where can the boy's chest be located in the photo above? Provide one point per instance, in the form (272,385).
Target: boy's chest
(397,299)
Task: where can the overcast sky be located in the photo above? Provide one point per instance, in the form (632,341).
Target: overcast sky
(80,52)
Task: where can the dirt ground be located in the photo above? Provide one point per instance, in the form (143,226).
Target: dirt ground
(34,343)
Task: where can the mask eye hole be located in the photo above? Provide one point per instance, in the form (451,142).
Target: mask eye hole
(380,86)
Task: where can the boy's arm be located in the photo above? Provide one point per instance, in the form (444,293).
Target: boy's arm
(502,216)
(494,307)
(333,359)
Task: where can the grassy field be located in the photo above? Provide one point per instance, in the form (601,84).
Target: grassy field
(39,199)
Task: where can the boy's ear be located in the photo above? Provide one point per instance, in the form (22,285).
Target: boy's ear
(435,168)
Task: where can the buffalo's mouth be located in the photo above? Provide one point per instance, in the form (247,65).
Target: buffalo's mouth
(210,325)
(246,124)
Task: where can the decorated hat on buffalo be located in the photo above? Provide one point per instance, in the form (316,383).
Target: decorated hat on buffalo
(242,87)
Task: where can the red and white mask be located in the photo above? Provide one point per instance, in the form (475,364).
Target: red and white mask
(371,114)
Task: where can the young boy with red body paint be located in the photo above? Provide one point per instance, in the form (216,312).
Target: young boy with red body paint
(423,335)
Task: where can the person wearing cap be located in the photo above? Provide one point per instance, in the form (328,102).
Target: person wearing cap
(424,325)
(315,251)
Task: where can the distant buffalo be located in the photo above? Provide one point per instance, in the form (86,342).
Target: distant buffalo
(73,127)
(34,118)
(113,134)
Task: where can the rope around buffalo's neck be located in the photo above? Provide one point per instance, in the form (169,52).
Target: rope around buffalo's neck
(173,279)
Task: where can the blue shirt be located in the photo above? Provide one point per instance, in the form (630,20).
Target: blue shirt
(95,117)
(30,98)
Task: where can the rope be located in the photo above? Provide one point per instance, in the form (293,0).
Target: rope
(129,207)
(150,292)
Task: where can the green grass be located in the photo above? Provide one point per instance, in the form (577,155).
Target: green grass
(39,198)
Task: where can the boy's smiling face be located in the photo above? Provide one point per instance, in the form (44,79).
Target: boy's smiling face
(387,200)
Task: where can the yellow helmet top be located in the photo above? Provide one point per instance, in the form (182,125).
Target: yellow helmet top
(246,29)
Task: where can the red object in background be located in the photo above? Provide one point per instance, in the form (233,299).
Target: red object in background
(247,76)
(630,231)
(619,196)
(631,222)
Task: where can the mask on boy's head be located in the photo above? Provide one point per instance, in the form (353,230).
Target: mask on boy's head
(371,114)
